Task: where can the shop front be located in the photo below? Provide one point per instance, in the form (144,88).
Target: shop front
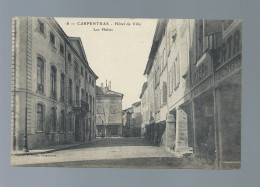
(228,85)
(216,103)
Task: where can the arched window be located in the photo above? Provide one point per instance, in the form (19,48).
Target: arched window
(90,103)
(62,90)
(40,74)
(77,94)
(53,82)
(70,91)
(53,119)
(39,117)
(76,67)
(62,121)
(70,122)
(87,97)
(82,94)
(86,76)
(93,105)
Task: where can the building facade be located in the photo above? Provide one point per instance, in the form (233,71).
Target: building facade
(194,74)
(132,120)
(109,112)
(137,120)
(127,121)
(144,109)
(53,86)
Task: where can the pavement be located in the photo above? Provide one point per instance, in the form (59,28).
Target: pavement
(51,149)
(108,153)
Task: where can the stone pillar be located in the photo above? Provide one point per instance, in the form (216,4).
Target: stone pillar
(170,132)
(194,123)
(181,131)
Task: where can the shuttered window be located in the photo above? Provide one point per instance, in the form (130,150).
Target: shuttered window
(40,74)
(62,121)
(62,80)
(164,92)
(53,81)
(53,119)
(39,117)
(70,91)
(177,66)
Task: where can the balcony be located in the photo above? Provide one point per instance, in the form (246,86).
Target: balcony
(80,107)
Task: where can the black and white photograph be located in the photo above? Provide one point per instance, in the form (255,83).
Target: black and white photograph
(126,93)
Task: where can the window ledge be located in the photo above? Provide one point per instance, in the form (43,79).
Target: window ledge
(164,104)
(177,87)
(52,97)
(39,132)
(42,33)
(53,45)
(39,92)
(61,54)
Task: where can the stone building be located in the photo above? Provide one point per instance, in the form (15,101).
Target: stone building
(109,111)
(135,129)
(194,89)
(127,121)
(132,120)
(156,73)
(53,86)
(144,109)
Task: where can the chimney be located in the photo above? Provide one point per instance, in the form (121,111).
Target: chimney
(109,86)
(102,87)
(106,83)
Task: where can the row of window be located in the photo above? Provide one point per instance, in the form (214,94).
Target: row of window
(62,51)
(174,76)
(42,30)
(53,120)
(88,78)
(53,84)
(52,37)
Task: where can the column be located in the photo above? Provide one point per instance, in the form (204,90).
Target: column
(170,130)
(181,144)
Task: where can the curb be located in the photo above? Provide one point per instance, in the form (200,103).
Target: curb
(53,150)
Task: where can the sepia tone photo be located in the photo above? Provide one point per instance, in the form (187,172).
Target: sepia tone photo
(126,93)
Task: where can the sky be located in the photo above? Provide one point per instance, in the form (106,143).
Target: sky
(117,50)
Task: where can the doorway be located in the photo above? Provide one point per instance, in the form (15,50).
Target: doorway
(205,128)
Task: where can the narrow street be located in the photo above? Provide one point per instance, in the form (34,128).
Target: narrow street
(111,152)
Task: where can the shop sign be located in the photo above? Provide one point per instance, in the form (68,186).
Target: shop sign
(231,46)
(205,85)
(230,54)
(229,68)
(203,71)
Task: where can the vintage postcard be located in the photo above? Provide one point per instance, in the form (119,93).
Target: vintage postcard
(126,93)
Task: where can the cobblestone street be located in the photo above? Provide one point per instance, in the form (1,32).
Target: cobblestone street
(112,152)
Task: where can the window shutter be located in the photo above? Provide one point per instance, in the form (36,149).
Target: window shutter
(174,75)
(184,59)
(177,71)
(164,92)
